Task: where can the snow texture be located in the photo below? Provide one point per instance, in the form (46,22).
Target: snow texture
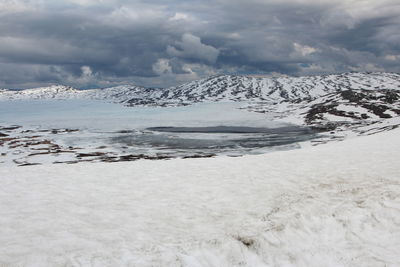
(331,205)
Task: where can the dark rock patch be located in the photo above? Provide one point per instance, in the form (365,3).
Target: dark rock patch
(58,131)
(248,242)
(378,110)
(6,139)
(133,157)
(29,164)
(198,156)
(92,154)
(10,128)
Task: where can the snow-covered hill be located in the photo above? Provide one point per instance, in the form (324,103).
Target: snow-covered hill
(226,88)
(51,92)
(221,88)
(295,89)
(114,94)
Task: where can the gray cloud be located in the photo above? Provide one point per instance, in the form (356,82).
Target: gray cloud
(192,48)
(88,43)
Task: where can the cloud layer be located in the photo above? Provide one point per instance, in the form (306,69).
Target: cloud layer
(96,43)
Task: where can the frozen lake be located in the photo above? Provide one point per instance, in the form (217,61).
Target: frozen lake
(207,128)
(98,115)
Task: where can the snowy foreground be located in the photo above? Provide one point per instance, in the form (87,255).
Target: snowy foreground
(332,205)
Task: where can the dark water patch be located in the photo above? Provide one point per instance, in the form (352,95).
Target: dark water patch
(232,129)
(215,139)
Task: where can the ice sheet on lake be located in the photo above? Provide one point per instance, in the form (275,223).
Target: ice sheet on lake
(211,128)
(98,115)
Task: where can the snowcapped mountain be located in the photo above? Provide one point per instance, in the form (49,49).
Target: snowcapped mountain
(115,94)
(294,89)
(51,92)
(221,88)
(119,94)
(226,88)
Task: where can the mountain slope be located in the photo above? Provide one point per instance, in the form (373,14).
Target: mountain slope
(242,88)
(221,88)
(278,89)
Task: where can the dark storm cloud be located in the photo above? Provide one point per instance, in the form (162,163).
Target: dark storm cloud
(155,43)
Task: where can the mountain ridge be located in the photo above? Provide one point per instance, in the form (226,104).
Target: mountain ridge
(220,88)
(326,102)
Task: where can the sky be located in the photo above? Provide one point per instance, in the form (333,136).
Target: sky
(159,43)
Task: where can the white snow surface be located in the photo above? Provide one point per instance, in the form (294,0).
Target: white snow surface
(332,205)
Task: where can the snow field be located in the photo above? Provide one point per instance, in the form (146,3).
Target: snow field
(331,205)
